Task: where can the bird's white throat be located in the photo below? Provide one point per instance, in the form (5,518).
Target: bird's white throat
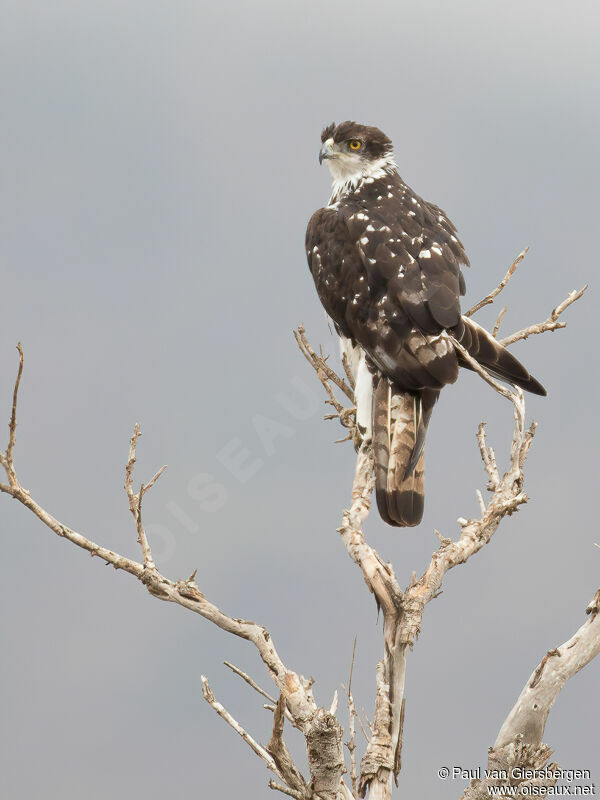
(348,172)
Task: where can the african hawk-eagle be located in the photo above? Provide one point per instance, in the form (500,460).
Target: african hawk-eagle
(387,267)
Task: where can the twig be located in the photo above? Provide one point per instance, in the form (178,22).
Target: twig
(348,371)
(7,460)
(352,715)
(480,501)
(499,321)
(334,703)
(262,692)
(152,480)
(495,292)
(488,457)
(552,323)
(224,714)
(318,362)
(367,722)
(285,790)
(483,373)
(249,681)
(362,727)
(135,500)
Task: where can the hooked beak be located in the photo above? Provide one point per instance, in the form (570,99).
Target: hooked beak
(326,151)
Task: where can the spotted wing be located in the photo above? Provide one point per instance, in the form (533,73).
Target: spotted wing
(363,290)
(410,253)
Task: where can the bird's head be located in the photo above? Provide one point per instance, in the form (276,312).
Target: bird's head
(355,151)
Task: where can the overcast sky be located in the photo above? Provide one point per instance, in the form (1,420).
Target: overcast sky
(159,164)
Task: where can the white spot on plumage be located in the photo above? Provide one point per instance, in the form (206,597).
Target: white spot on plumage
(424,254)
(390,194)
(370,227)
(437,249)
(412,213)
(365,240)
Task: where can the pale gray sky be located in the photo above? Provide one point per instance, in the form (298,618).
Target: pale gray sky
(159,167)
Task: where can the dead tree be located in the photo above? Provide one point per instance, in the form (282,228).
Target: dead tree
(518,746)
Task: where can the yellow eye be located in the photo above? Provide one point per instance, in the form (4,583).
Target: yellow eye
(354,144)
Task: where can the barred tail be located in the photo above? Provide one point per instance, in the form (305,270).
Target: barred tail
(399,425)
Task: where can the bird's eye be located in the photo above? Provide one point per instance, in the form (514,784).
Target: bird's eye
(355,144)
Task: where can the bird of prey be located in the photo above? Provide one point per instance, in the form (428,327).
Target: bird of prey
(387,268)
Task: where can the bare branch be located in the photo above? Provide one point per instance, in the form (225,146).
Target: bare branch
(488,457)
(348,371)
(499,322)
(185,593)
(285,790)
(326,763)
(495,292)
(262,692)
(552,323)
(483,373)
(334,703)
(529,715)
(224,714)
(507,496)
(519,742)
(319,362)
(249,681)
(135,500)
(402,610)
(480,501)
(277,748)
(352,716)
(382,755)
(367,723)
(152,480)
(7,460)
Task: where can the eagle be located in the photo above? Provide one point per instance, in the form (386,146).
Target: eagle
(387,266)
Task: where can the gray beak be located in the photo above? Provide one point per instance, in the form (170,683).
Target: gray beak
(326,151)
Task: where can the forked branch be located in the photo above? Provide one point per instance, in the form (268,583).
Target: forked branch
(402,609)
(293,688)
